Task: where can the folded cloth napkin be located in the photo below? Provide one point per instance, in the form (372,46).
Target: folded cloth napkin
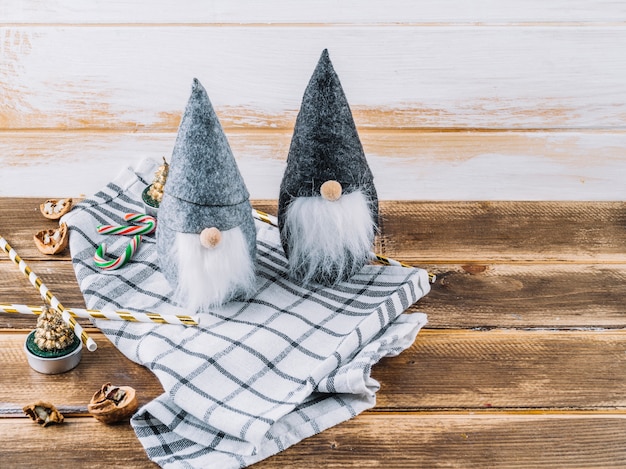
(256,376)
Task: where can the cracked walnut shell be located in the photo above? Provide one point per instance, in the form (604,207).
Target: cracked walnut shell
(54,209)
(52,241)
(113,404)
(43,413)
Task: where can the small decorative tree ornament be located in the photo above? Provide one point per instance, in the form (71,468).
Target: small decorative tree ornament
(52,333)
(156,189)
(153,194)
(52,347)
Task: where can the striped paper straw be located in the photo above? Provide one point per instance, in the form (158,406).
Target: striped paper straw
(47,295)
(112,315)
(272,220)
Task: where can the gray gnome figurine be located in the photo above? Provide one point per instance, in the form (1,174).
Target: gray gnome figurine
(206,239)
(328,206)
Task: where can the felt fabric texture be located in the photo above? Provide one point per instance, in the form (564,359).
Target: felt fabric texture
(204,187)
(202,169)
(256,376)
(325,146)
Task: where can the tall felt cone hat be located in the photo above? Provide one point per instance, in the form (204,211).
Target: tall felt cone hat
(204,188)
(326,157)
(325,144)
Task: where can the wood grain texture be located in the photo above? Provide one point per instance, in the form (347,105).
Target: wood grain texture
(566,296)
(526,296)
(436,232)
(79,442)
(58,276)
(419,440)
(499,264)
(483,231)
(21,385)
(469,77)
(469,370)
(547,391)
(507,369)
(407,164)
(462,441)
(322,11)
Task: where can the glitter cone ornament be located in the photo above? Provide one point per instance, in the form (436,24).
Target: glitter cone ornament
(206,239)
(52,333)
(328,206)
(52,347)
(156,188)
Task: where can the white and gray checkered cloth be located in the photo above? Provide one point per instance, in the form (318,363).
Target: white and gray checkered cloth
(255,377)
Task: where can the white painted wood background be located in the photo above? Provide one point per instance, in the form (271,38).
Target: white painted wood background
(454,100)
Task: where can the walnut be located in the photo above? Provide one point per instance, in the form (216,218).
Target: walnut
(52,241)
(43,413)
(55,209)
(113,404)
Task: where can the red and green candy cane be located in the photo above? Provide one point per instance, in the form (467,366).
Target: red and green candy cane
(147,225)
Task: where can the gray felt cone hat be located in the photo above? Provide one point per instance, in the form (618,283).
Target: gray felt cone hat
(204,187)
(325,144)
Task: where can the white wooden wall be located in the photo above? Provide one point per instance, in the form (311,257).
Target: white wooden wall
(454,99)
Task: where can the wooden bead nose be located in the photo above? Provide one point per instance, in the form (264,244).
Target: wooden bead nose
(210,237)
(331,190)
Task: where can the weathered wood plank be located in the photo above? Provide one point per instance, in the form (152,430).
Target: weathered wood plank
(324,11)
(395,77)
(507,369)
(463,441)
(78,442)
(438,232)
(21,385)
(369,440)
(543,232)
(15,288)
(408,164)
(464,296)
(526,296)
(442,370)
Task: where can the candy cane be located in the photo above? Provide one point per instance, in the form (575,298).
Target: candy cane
(147,225)
(105,264)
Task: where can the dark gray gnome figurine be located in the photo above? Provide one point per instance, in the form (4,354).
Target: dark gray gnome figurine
(328,207)
(206,239)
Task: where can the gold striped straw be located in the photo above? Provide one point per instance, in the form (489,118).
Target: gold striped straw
(46,294)
(272,220)
(111,315)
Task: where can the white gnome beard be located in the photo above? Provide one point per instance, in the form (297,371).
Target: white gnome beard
(209,277)
(328,240)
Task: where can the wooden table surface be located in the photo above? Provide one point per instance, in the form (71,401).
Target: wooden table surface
(522,363)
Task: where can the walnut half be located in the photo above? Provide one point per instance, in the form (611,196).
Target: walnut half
(43,413)
(55,209)
(52,241)
(113,404)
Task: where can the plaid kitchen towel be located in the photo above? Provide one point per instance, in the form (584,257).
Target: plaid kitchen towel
(256,376)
